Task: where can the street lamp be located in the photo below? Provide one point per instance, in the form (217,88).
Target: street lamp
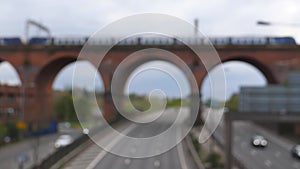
(267,23)
(263,23)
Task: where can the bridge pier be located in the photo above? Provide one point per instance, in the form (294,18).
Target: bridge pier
(109,111)
(195,107)
(43,113)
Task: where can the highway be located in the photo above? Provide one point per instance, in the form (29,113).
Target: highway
(176,158)
(166,160)
(276,155)
(43,145)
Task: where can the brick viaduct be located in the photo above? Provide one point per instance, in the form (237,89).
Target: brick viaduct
(38,65)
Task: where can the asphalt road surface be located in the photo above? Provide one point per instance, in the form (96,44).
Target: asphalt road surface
(177,157)
(276,155)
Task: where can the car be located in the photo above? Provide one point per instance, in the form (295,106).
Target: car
(296,151)
(63,141)
(85,131)
(259,141)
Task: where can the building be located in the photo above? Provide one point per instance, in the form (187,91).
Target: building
(10,103)
(273,98)
(270,99)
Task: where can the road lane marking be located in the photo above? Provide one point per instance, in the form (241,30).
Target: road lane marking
(268,163)
(127,161)
(100,156)
(156,164)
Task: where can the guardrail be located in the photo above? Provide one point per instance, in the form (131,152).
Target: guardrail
(57,155)
(54,158)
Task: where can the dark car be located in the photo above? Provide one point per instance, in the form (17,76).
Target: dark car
(296,151)
(259,141)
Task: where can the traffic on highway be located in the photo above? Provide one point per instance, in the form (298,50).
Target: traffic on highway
(258,147)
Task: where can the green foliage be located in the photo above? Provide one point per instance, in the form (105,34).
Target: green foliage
(140,103)
(285,83)
(9,129)
(177,102)
(196,144)
(83,105)
(3,130)
(75,124)
(214,159)
(64,108)
(233,102)
(12,130)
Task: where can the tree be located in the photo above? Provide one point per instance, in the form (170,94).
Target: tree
(233,102)
(64,108)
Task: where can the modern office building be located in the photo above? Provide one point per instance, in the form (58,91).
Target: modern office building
(273,98)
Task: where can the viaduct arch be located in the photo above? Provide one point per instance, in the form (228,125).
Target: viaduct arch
(38,65)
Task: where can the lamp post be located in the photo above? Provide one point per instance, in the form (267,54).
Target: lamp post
(264,23)
(268,23)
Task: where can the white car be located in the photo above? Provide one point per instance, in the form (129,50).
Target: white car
(63,141)
(259,141)
(296,151)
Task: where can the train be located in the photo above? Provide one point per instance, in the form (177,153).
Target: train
(253,40)
(217,41)
(18,41)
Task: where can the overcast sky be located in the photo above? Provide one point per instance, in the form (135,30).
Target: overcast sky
(216,18)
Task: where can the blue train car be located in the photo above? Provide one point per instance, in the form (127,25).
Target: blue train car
(11,41)
(282,40)
(38,41)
